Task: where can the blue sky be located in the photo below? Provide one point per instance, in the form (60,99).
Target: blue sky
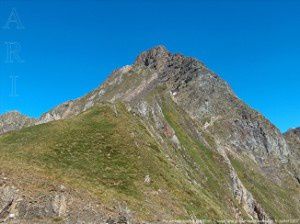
(70,47)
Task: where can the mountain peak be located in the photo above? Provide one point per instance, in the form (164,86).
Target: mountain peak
(12,113)
(159,49)
(153,57)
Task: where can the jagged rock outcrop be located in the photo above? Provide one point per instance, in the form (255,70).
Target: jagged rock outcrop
(14,121)
(292,137)
(56,204)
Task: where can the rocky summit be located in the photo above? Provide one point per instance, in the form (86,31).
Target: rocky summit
(164,140)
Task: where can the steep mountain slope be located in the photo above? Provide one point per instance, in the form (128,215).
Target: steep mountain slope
(14,121)
(200,93)
(198,90)
(165,135)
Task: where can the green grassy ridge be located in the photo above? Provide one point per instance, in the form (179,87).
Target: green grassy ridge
(110,155)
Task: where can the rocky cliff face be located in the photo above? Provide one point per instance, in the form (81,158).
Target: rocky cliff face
(292,137)
(21,204)
(207,98)
(186,108)
(14,121)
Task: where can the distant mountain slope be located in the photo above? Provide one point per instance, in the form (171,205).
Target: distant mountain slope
(166,137)
(14,121)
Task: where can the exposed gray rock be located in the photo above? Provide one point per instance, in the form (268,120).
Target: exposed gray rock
(292,137)
(241,193)
(60,204)
(207,98)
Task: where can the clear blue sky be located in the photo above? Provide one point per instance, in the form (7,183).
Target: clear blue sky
(70,47)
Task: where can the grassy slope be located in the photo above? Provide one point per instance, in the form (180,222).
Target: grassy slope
(109,155)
